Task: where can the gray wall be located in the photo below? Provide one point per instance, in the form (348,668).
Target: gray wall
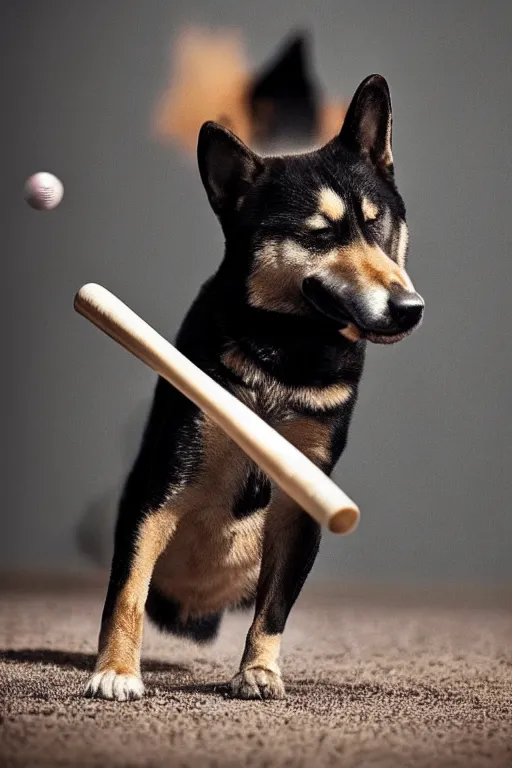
(428,457)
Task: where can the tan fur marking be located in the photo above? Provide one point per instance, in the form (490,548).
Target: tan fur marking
(275,279)
(403,242)
(322,398)
(318,221)
(121,638)
(330,204)
(212,560)
(311,437)
(388,154)
(368,265)
(351,332)
(370,210)
(261,650)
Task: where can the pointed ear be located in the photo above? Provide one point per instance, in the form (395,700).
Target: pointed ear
(228,168)
(368,123)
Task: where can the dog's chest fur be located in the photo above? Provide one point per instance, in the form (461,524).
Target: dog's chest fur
(213,559)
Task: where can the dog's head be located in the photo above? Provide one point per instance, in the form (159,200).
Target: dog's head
(323,233)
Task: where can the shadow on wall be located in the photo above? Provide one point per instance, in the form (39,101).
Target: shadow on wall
(279,108)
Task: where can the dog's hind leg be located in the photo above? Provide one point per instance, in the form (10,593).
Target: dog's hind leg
(289,550)
(117,673)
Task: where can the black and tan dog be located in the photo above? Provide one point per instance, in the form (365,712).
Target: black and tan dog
(314,265)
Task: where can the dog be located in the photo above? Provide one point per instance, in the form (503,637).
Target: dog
(314,268)
(279,108)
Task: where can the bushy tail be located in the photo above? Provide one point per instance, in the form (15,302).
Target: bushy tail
(165,613)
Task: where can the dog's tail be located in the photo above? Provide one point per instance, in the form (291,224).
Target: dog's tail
(165,613)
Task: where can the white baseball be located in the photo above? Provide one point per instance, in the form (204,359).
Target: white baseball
(43,191)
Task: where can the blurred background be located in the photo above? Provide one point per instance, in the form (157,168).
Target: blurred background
(428,454)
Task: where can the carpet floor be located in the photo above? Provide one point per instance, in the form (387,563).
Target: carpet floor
(373,679)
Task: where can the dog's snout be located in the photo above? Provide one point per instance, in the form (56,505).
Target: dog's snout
(406,309)
(378,312)
(327,296)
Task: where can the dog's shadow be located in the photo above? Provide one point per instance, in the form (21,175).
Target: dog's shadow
(85,662)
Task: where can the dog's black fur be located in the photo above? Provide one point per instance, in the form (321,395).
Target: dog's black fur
(314,265)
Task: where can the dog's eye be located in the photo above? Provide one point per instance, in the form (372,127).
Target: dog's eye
(321,231)
(320,236)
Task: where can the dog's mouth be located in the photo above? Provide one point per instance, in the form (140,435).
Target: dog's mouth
(383,338)
(354,332)
(337,311)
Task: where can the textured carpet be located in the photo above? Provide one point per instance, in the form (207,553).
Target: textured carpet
(372,679)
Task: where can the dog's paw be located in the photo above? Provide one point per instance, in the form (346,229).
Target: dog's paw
(110,685)
(257,683)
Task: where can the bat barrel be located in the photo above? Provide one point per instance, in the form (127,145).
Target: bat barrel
(302,480)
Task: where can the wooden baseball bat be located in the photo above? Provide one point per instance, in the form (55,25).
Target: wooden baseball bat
(285,464)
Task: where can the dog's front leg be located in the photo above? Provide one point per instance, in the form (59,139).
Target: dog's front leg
(117,672)
(289,549)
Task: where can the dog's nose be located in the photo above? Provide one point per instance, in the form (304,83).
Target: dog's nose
(406,310)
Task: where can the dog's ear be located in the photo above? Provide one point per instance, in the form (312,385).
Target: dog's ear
(228,168)
(368,124)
